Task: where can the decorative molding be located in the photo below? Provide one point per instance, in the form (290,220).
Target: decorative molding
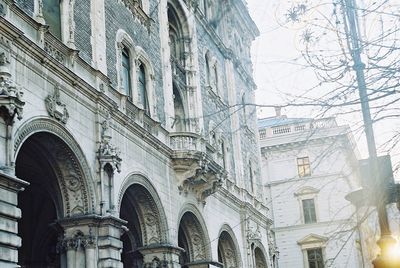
(11,103)
(54,52)
(71,165)
(55,107)
(108,153)
(137,12)
(149,207)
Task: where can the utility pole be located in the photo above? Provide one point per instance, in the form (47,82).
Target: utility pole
(386,240)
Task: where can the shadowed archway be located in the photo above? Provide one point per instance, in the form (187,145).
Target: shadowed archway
(144,224)
(57,190)
(193,239)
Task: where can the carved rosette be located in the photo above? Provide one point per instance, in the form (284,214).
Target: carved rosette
(55,107)
(11,103)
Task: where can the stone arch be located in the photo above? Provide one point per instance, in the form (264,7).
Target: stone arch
(260,254)
(67,159)
(193,236)
(150,211)
(228,248)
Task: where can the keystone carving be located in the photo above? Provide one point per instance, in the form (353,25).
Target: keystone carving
(11,103)
(55,107)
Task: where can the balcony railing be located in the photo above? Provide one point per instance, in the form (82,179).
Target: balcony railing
(297,127)
(184,141)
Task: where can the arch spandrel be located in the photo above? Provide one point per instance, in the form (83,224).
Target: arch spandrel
(144,197)
(194,228)
(228,247)
(68,161)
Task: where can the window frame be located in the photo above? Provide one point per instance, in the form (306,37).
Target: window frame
(312,241)
(321,254)
(305,193)
(309,214)
(302,171)
(125,53)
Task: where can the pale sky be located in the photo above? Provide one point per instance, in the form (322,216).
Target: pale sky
(278,44)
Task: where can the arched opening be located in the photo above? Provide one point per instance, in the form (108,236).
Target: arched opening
(178,45)
(179,122)
(192,239)
(227,253)
(259,258)
(143,224)
(142,88)
(42,161)
(52,16)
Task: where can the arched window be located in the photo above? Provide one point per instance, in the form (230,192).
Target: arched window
(223,153)
(142,88)
(52,16)
(126,72)
(208,69)
(179,121)
(175,36)
(215,74)
(251,177)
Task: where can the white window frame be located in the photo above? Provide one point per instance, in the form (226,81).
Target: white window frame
(304,194)
(312,241)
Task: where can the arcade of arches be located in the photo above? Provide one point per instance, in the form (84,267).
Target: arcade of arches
(59,226)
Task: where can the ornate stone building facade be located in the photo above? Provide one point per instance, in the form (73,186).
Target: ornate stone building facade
(125,140)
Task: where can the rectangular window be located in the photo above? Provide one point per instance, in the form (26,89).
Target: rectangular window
(309,211)
(315,258)
(303,166)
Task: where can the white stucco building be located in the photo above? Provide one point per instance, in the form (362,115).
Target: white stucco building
(308,168)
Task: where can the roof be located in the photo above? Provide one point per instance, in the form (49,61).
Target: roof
(280,121)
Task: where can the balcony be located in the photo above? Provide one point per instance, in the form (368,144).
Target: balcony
(196,170)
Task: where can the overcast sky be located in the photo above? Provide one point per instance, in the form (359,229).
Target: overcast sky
(273,54)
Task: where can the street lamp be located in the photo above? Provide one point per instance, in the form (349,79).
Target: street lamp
(386,241)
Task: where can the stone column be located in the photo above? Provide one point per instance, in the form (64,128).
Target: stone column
(161,255)
(9,215)
(71,246)
(89,243)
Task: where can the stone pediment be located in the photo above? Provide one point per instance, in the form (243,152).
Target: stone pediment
(312,239)
(197,172)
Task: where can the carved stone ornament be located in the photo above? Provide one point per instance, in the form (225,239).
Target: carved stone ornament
(108,153)
(11,103)
(198,173)
(55,107)
(253,233)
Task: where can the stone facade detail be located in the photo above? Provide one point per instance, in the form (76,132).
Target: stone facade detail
(115,154)
(55,107)
(11,103)
(108,153)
